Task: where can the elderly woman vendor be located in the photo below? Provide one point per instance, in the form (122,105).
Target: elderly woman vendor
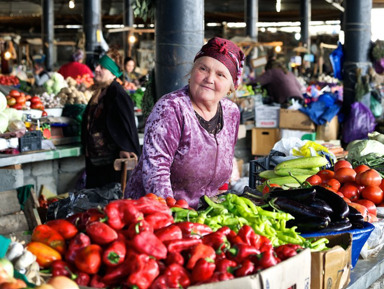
(191,133)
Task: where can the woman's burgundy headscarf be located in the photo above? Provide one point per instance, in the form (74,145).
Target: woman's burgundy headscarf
(227,53)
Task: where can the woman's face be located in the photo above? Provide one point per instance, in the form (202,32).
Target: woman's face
(103,75)
(130,66)
(210,80)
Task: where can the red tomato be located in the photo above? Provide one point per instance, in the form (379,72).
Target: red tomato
(363,210)
(44,113)
(326,175)
(349,191)
(35,99)
(170,201)
(18,106)
(369,205)
(182,204)
(340,194)
(314,180)
(11,101)
(373,193)
(342,164)
(344,175)
(369,178)
(268,187)
(361,168)
(372,218)
(21,99)
(348,201)
(14,93)
(333,184)
(382,184)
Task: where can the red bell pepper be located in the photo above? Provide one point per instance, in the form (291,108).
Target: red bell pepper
(174,257)
(171,232)
(159,220)
(135,228)
(81,220)
(220,276)
(114,254)
(62,268)
(145,271)
(116,275)
(217,240)
(147,243)
(266,244)
(286,251)
(50,237)
(191,230)
(234,238)
(225,265)
(64,227)
(200,251)
(248,235)
(203,270)
(81,240)
(181,244)
(240,252)
(101,233)
(174,276)
(96,282)
(267,259)
(148,206)
(82,279)
(246,268)
(88,259)
(121,213)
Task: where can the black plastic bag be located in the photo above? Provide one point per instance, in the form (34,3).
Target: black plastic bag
(83,200)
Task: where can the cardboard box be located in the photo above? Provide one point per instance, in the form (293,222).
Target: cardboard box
(242,131)
(301,134)
(267,116)
(263,140)
(328,131)
(295,119)
(331,269)
(293,272)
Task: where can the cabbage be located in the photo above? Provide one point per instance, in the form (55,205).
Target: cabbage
(368,152)
(3,101)
(13,114)
(3,122)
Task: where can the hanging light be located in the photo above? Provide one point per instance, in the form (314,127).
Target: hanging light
(71,4)
(132,39)
(278,49)
(278,5)
(7,55)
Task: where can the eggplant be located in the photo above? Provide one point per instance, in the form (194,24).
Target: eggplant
(320,205)
(298,209)
(339,206)
(355,217)
(306,194)
(337,226)
(305,224)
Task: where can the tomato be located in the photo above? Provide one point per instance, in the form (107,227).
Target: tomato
(344,175)
(363,210)
(348,201)
(18,106)
(314,180)
(14,93)
(361,168)
(11,101)
(369,178)
(382,184)
(349,190)
(182,204)
(326,175)
(342,164)
(151,196)
(170,201)
(340,194)
(372,218)
(37,105)
(21,99)
(369,205)
(373,193)
(35,99)
(333,184)
(44,113)
(268,187)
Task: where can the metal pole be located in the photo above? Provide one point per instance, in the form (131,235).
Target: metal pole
(305,19)
(179,34)
(128,20)
(92,26)
(357,27)
(47,32)
(251,19)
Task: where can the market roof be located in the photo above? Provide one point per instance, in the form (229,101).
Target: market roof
(22,14)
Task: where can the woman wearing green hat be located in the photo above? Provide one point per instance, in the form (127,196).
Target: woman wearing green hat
(109,130)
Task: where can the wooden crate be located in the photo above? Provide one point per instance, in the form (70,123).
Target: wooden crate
(13,220)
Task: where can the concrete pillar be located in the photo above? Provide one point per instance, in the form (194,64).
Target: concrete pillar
(128,20)
(179,34)
(92,30)
(47,31)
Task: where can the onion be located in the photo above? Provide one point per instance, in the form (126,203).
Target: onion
(61,282)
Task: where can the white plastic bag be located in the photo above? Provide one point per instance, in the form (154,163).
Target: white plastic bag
(375,241)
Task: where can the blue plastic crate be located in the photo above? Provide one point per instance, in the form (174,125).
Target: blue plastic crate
(359,237)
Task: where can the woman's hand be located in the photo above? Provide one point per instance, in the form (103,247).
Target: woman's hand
(127,155)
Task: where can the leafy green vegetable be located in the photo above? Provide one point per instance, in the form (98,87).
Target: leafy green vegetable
(368,152)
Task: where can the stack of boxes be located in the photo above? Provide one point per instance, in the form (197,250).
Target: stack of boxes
(273,123)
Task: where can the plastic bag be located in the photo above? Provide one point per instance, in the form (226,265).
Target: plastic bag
(359,123)
(375,241)
(83,200)
(337,57)
(375,106)
(312,149)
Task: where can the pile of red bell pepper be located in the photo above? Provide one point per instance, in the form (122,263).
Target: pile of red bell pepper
(136,243)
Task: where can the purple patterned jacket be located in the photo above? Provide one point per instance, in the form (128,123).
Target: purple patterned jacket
(180,158)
